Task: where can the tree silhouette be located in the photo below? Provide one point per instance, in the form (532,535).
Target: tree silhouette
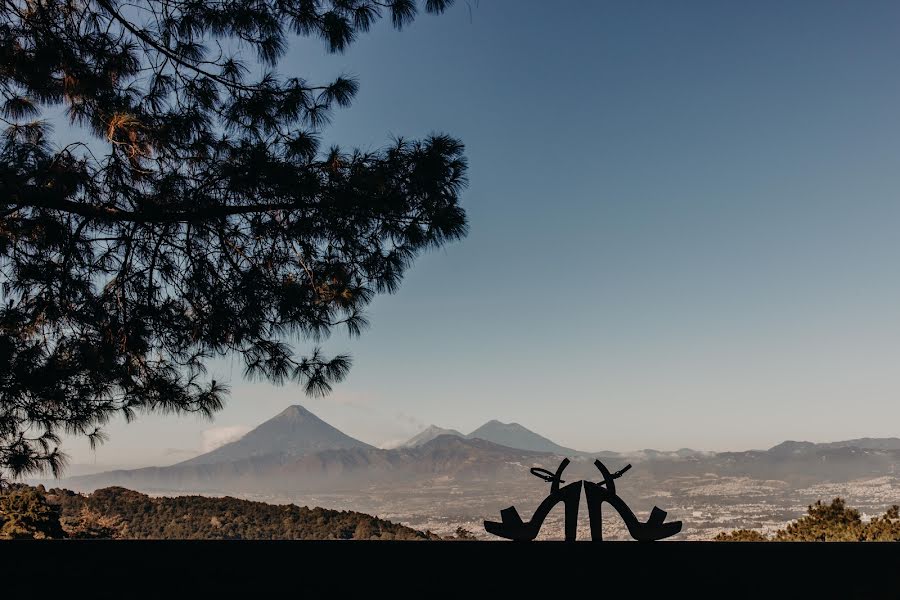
(198,217)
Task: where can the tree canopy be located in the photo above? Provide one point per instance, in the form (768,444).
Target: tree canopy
(828,522)
(197,215)
(26,514)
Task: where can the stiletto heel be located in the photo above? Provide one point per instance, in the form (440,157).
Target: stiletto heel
(513,528)
(595,511)
(596,494)
(572,505)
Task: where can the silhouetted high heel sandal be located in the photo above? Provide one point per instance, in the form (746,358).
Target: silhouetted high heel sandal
(513,528)
(597,493)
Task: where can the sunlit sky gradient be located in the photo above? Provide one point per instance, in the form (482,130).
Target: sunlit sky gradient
(685,230)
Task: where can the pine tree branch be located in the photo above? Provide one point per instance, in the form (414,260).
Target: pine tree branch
(168,53)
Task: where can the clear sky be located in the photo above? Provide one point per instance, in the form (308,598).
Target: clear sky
(685,230)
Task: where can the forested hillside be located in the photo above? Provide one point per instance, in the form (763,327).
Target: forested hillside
(120,513)
(834,522)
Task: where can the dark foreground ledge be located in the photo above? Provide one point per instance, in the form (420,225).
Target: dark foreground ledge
(164,569)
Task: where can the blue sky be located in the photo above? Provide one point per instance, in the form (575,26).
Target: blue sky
(684,229)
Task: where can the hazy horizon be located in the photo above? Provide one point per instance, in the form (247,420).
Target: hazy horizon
(214,437)
(683,231)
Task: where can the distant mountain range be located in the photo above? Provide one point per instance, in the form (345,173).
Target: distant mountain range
(446,456)
(295,451)
(511,435)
